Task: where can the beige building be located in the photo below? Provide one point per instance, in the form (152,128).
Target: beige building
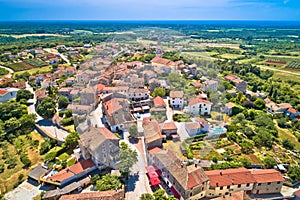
(102,146)
(177,99)
(267,181)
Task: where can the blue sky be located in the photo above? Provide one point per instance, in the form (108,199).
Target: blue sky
(149,9)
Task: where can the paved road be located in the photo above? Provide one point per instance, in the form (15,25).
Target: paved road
(138,180)
(279,70)
(169,110)
(10,71)
(57,53)
(96,116)
(46,125)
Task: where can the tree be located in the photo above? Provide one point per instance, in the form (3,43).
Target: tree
(24,94)
(288,144)
(108,182)
(159,92)
(269,162)
(160,194)
(72,140)
(294,173)
(46,108)
(146,196)
(27,122)
(260,104)
(95,178)
(247,146)
(128,158)
(245,161)
(263,138)
(63,102)
(133,131)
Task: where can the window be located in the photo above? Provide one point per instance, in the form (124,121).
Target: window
(239,185)
(228,187)
(191,194)
(259,184)
(221,188)
(269,183)
(248,184)
(276,189)
(278,182)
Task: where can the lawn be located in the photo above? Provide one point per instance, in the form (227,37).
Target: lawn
(286,134)
(10,176)
(41,70)
(231,56)
(175,148)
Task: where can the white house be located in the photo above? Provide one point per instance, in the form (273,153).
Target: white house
(177,99)
(228,108)
(199,106)
(7,94)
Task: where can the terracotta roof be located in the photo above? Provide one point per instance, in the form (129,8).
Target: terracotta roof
(169,126)
(176,94)
(3,92)
(82,166)
(219,178)
(19,84)
(162,61)
(40,94)
(193,125)
(114,105)
(292,110)
(96,136)
(158,101)
(229,105)
(187,176)
(297,192)
(100,87)
(196,84)
(138,90)
(103,195)
(201,120)
(151,131)
(154,150)
(231,77)
(233,196)
(61,176)
(194,101)
(267,175)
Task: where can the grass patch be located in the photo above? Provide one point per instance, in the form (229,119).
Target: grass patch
(41,70)
(64,157)
(231,56)
(286,134)
(71,162)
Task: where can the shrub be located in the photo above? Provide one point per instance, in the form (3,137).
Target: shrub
(67,121)
(50,156)
(2,167)
(11,163)
(25,160)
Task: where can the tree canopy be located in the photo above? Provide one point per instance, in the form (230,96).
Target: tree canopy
(24,94)
(128,158)
(63,102)
(47,108)
(108,182)
(133,131)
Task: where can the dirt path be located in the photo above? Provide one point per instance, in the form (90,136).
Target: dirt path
(279,70)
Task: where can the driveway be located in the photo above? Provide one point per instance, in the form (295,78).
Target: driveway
(182,131)
(24,191)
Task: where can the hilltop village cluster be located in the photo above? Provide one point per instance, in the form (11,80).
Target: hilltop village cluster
(108,99)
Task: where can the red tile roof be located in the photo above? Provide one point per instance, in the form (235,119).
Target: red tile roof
(176,94)
(158,101)
(267,175)
(169,126)
(3,92)
(292,110)
(297,192)
(103,195)
(154,150)
(100,87)
(230,77)
(194,101)
(162,61)
(229,105)
(219,178)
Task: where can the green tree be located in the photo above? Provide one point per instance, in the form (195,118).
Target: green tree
(294,172)
(27,122)
(63,102)
(108,182)
(245,161)
(24,94)
(72,140)
(146,196)
(263,138)
(128,158)
(260,104)
(160,194)
(158,92)
(95,178)
(133,131)
(46,108)
(247,146)
(12,124)
(288,144)
(269,162)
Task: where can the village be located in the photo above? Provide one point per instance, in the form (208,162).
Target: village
(183,124)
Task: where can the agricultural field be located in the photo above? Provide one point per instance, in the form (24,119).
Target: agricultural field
(35,62)
(295,65)
(20,66)
(231,56)
(40,70)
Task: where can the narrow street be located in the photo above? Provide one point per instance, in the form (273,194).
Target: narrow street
(96,116)
(59,54)
(138,182)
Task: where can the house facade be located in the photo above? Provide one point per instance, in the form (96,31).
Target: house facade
(137,94)
(7,94)
(198,106)
(100,145)
(177,99)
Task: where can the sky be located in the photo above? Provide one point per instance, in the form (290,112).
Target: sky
(149,10)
